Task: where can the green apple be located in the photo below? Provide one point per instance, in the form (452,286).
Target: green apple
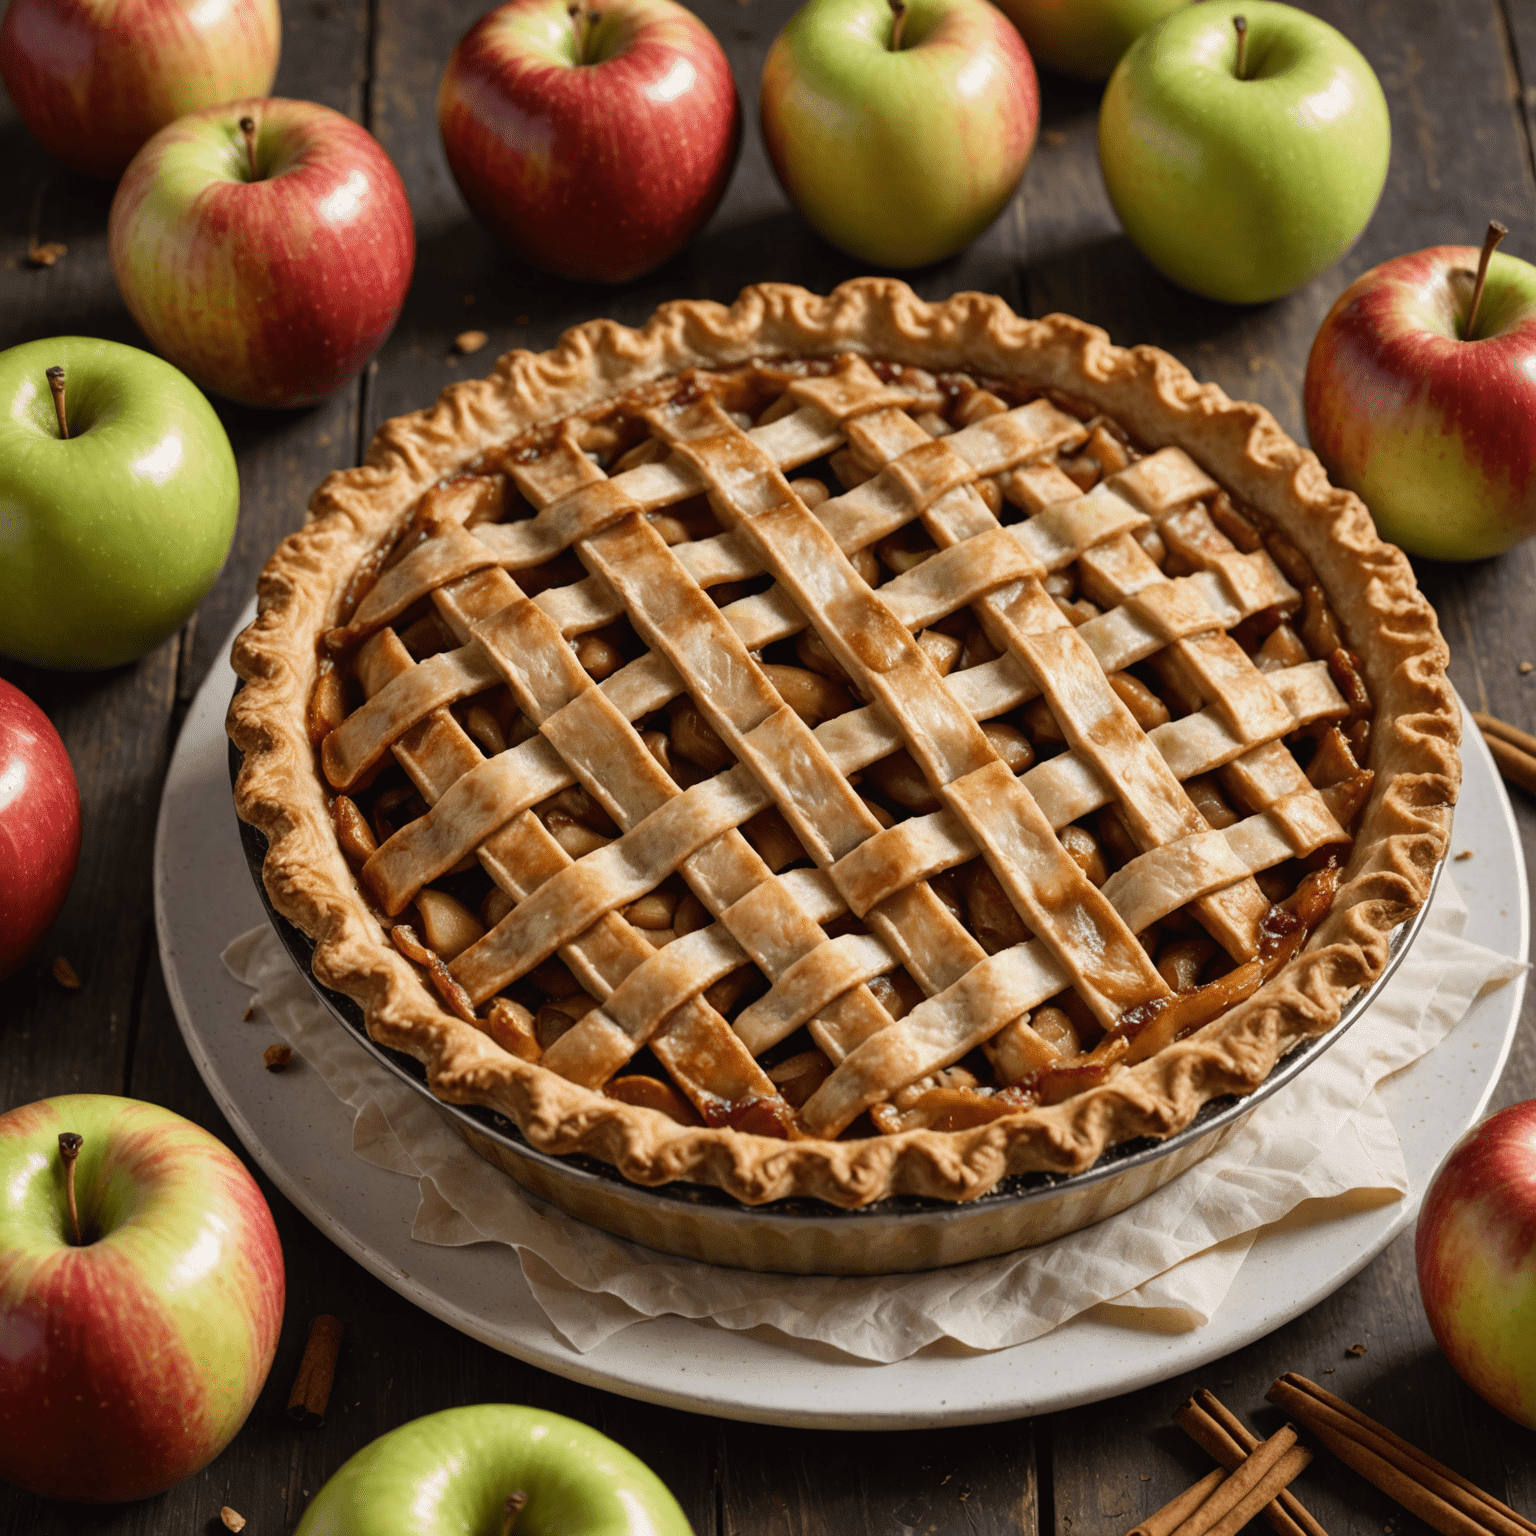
(1084,38)
(899,131)
(109,537)
(461,1472)
(1243,182)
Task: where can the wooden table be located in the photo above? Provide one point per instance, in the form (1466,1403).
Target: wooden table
(1460,76)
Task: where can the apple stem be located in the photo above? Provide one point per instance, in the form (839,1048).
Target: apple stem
(898,21)
(515,1503)
(248,129)
(70,1143)
(55,377)
(583,21)
(1240,26)
(1496,233)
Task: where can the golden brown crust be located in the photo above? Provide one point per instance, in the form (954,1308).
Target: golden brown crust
(1402,838)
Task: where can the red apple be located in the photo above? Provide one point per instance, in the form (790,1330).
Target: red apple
(136,1333)
(1476,1249)
(1429,418)
(264,247)
(39,826)
(594,146)
(93,79)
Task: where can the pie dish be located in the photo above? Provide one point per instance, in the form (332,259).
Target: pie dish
(841,747)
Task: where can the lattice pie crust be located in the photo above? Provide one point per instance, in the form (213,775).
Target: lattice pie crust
(836,844)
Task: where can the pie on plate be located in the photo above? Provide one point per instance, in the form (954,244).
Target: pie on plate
(843,746)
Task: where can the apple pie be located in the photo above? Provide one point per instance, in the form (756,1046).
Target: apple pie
(843,746)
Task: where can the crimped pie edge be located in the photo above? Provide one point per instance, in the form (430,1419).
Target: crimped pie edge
(1404,830)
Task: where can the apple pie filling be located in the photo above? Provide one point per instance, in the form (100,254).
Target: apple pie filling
(832,748)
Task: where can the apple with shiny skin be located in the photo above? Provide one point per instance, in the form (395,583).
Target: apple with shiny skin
(901,133)
(109,537)
(594,147)
(1242,184)
(1476,1252)
(455,1471)
(1083,38)
(269,262)
(39,826)
(133,1355)
(1430,424)
(93,79)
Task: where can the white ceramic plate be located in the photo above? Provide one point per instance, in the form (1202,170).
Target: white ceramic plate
(301,1136)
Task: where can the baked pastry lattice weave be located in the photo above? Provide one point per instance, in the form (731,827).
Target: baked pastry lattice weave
(723,858)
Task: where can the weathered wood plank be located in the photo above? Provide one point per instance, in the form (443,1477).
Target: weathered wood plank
(51,1040)
(978,1481)
(1519,26)
(113,1035)
(1486,608)
(57,1041)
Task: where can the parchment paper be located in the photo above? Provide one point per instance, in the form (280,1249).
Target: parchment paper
(1167,1262)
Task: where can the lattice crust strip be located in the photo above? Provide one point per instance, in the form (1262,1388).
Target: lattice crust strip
(1082,936)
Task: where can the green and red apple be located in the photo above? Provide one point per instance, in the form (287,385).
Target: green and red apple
(1084,38)
(490,1468)
(138,1322)
(900,132)
(111,534)
(1243,178)
(1476,1254)
(93,79)
(1428,419)
(264,247)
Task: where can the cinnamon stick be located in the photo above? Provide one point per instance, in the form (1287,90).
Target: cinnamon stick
(1425,1487)
(1245,1440)
(1176,1511)
(1264,1492)
(1224,1437)
(1491,725)
(1407,1448)
(1516,766)
(1252,1474)
(312,1386)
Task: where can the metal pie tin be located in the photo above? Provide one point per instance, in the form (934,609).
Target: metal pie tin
(895,1235)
